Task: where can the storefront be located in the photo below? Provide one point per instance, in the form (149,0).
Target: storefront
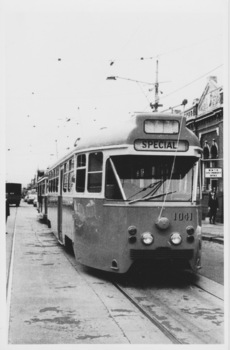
(205,119)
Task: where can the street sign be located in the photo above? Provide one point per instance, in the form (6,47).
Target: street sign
(213,173)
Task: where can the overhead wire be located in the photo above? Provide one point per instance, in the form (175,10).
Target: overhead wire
(170,52)
(193,81)
(182,48)
(128,40)
(142,90)
(197,43)
(190,83)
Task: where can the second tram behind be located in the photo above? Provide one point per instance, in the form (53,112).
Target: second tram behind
(129,194)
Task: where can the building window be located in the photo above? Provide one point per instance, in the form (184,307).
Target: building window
(214,149)
(206,150)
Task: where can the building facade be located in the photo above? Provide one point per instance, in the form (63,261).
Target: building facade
(205,119)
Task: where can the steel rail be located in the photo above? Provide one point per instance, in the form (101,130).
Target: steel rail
(152,319)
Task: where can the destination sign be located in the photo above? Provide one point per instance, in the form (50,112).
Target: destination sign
(160,145)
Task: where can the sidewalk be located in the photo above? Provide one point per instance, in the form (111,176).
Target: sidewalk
(54,300)
(211,232)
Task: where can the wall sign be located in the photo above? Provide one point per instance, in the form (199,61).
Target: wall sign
(212,173)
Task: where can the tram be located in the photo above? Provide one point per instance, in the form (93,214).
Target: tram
(130,194)
(42,192)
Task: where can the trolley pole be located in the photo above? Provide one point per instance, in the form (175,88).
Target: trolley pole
(156,104)
(156,88)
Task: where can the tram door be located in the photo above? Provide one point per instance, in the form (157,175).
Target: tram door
(60,238)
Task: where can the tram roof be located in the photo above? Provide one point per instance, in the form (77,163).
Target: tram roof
(125,132)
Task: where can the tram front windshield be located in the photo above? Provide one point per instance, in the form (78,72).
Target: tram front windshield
(150,178)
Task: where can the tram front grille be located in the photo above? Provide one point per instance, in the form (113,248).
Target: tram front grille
(161,253)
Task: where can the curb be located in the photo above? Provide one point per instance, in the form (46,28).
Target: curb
(219,240)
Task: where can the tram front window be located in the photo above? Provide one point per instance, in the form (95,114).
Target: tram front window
(154,178)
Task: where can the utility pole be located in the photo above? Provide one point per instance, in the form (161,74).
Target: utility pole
(156,104)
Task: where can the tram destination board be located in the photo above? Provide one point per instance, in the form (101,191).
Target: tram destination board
(213,172)
(161,145)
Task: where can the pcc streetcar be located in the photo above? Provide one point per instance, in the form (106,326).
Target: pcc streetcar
(42,193)
(129,194)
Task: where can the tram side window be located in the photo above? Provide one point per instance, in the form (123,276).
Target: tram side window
(48,184)
(65,182)
(95,172)
(56,184)
(81,160)
(70,174)
(70,181)
(80,173)
(112,190)
(71,164)
(39,189)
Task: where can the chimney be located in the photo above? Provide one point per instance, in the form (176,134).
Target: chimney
(195,101)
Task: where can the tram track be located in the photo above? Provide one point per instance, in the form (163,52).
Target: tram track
(185,311)
(152,319)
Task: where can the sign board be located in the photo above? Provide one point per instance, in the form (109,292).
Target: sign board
(160,145)
(213,173)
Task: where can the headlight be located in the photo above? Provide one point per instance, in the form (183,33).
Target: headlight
(176,238)
(147,238)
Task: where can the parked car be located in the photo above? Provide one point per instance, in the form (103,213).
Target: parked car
(32,195)
(26,196)
(35,201)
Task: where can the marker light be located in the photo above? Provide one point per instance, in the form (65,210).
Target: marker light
(190,239)
(190,230)
(176,238)
(147,238)
(132,239)
(132,230)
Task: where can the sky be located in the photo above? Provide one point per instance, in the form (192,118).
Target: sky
(58,54)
